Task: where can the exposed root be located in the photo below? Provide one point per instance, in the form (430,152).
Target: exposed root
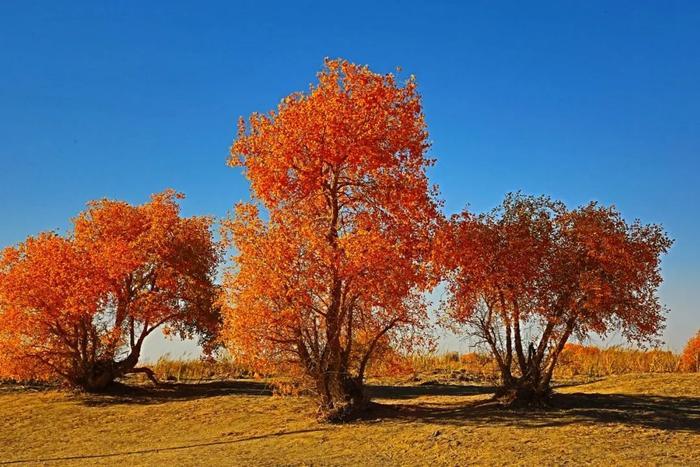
(341,413)
(522,397)
(148,372)
(351,408)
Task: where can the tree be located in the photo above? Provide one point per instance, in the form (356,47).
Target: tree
(530,274)
(80,307)
(338,268)
(690,359)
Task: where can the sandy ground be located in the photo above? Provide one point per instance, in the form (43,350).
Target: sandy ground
(633,419)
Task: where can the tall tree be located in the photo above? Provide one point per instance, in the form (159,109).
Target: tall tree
(531,274)
(79,307)
(339,265)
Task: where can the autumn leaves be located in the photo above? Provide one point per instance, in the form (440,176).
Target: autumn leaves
(333,259)
(355,239)
(79,307)
(531,274)
(338,272)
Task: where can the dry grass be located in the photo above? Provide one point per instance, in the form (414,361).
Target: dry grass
(634,419)
(579,360)
(198,370)
(576,362)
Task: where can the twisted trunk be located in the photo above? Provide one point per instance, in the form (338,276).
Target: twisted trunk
(101,374)
(343,396)
(533,387)
(96,373)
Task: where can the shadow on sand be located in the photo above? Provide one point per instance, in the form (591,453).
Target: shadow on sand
(666,413)
(661,412)
(412,392)
(123,394)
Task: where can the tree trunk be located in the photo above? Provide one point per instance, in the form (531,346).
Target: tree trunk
(96,377)
(523,393)
(100,375)
(343,397)
(531,389)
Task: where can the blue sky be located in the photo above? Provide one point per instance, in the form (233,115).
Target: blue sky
(578,100)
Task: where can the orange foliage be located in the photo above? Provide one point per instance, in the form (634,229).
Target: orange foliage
(576,350)
(79,307)
(690,360)
(534,265)
(338,268)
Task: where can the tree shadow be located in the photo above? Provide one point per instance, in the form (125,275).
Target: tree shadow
(412,392)
(169,392)
(570,384)
(660,412)
(651,411)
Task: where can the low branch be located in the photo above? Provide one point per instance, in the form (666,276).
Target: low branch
(372,345)
(147,371)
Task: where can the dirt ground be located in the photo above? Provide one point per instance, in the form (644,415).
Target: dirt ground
(634,419)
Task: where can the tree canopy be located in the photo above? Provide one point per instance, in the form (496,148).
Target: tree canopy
(79,307)
(527,276)
(339,263)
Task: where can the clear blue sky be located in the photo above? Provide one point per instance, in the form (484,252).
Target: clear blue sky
(578,100)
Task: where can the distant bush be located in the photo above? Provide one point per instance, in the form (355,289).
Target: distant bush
(690,359)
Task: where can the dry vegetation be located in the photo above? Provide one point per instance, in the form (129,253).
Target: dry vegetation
(196,370)
(577,362)
(632,419)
